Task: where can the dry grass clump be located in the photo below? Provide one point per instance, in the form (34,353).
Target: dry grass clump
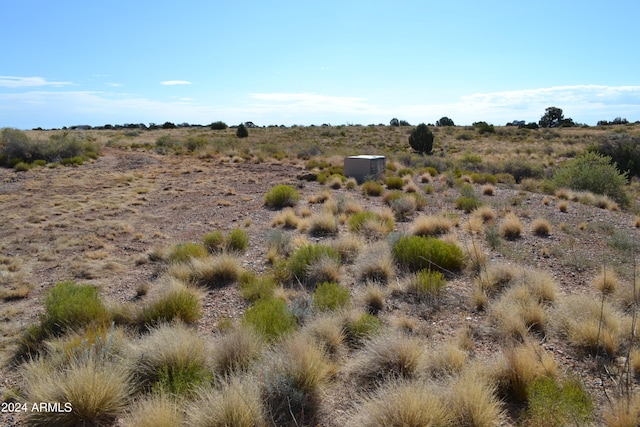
(415,403)
(447,360)
(486,213)
(293,383)
(623,411)
(372,225)
(606,281)
(591,325)
(348,246)
(155,410)
(511,227)
(563,206)
(286,218)
(95,387)
(375,263)
(541,227)
(172,358)
(320,224)
(236,350)
(473,400)
(237,402)
(496,277)
(389,356)
(432,225)
(488,190)
(327,330)
(373,298)
(518,311)
(216,271)
(519,366)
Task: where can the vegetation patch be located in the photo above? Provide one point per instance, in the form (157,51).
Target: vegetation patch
(417,253)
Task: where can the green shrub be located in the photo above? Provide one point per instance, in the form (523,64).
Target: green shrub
(183,252)
(372,188)
(22,167)
(72,161)
(330,296)
(306,255)
(418,253)
(179,304)
(394,182)
(281,196)
(213,241)
(593,172)
(270,317)
(70,305)
(237,240)
(40,162)
(554,404)
(521,168)
(421,139)
(467,204)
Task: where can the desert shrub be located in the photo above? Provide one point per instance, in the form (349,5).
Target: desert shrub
(242,131)
(70,306)
(281,196)
(467,204)
(331,296)
(593,172)
(348,246)
(213,241)
(427,283)
(72,161)
(394,182)
(362,326)
(373,298)
(21,167)
(179,303)
(473,401)
(286,218)
(372,188)
(270,317)
(520,169)
(171,359)
(389,356)
(624,151)
(237,240)
(553,403)
(303,258)
(417,253)
(236,350)
(218,125)
(183,252)
(322,224)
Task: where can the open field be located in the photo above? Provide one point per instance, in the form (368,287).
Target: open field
(472,289)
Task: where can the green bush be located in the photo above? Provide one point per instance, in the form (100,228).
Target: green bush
(467,204)
(72,161)
(270,317)
(22,167)
(553,404)
(394,182)
(623,149)
(593,172)
(421,139)
(179,304)
(70,305)
(416,253)
(213,241)
(331,296)
(183,252)
(281,196)
(237,240)
(307,255)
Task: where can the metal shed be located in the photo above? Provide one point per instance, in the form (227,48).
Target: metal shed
(365,166)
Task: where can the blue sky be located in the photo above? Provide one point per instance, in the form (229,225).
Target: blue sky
(307,62)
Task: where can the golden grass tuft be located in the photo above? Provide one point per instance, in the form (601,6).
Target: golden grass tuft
(155,410)
(606,281)
(321,224)
(488,190)
(486,213)
(510,227)
(348,246)
(432,225)
(541,227)
(473,400)
(286,218)
(216,271)
(623,411)
(375,263)
(236,350)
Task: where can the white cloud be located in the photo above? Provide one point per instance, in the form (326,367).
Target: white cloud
(175,82)
(14,82)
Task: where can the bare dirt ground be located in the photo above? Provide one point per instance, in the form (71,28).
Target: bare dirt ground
(97,222)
